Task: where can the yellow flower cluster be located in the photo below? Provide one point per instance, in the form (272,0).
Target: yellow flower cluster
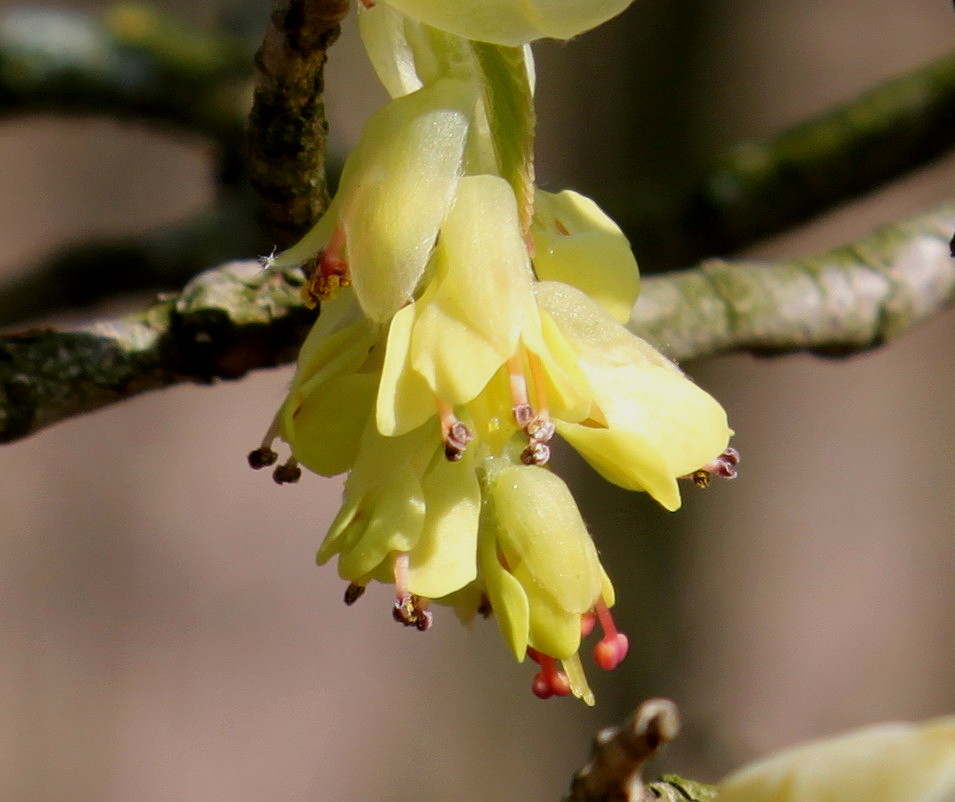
(466,318)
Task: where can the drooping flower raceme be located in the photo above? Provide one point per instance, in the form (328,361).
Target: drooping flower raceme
(466,319)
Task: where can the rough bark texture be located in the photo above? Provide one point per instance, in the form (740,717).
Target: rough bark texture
(287,128)
(846,300)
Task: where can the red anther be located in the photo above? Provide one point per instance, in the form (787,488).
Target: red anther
(610,651)
(560,684)
(549,681)
(541,687)
(613,646)
(587,623)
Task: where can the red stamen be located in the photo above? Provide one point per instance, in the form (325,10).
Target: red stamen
(550,680)
(331,271)
(587,623)
(613,646)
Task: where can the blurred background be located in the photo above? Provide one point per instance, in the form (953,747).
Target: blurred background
(165,635)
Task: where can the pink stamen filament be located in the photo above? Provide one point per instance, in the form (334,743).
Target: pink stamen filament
(515,372)
(613,646)
(446,417)
(540,388)
(401,575)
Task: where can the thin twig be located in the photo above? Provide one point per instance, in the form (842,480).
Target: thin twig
(619,754)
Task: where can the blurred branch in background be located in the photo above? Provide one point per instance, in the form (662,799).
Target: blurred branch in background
(759,189)
(131,62)
(238,318)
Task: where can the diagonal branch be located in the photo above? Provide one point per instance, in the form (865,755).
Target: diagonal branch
(757,189)
(238,318)
(849,299)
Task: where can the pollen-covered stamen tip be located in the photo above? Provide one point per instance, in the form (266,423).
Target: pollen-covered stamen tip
(330,273)
(264,455)
(287,473)
(353,593)
(409,609)
(456,433)
(723,467)
(613,646)
(536,454)
(550,680)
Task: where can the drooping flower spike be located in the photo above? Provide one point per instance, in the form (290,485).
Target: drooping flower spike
(466,319)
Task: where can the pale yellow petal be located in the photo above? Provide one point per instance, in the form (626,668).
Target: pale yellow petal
(659,423)
(405,401)
(888,763)
(485,272)
(326,427)
(577,244)
(542,536)
(507,597)
(552,629)
(445,558)
(397,188)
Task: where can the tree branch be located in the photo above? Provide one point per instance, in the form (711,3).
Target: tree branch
(226,322)
(758,189)
(852,298)
(163,259)
(287,128)
(619,755)
(238,318)
(131,62)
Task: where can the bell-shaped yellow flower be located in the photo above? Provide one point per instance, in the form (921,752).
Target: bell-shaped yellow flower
(479,302)
(541,569)
(887,763)
(512,22)
(657,425)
